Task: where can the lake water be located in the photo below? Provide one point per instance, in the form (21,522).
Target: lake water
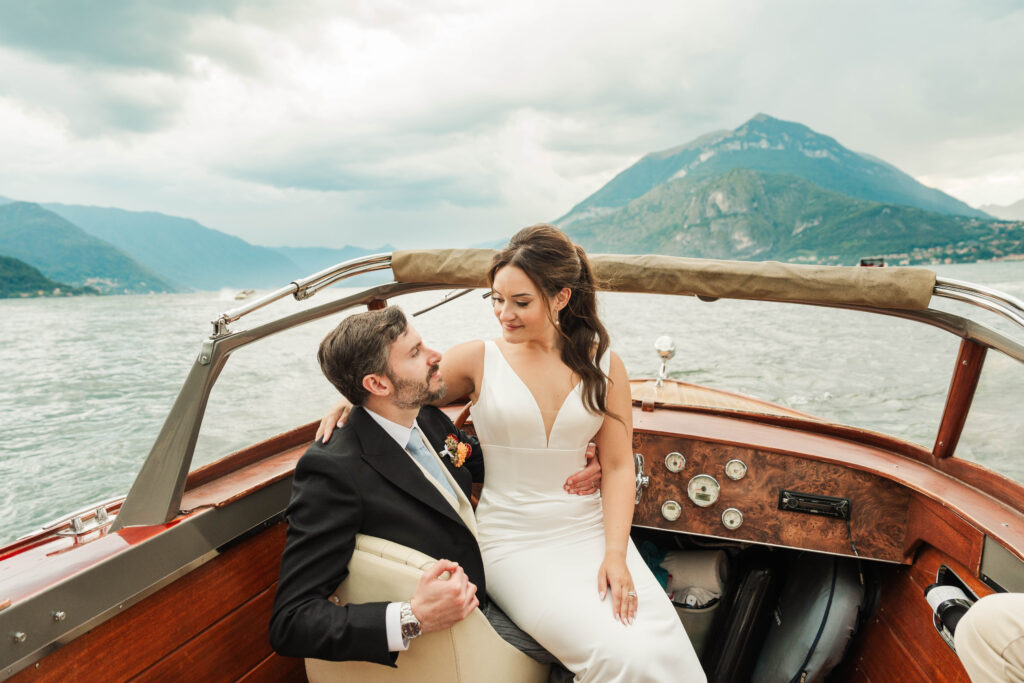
(87,382)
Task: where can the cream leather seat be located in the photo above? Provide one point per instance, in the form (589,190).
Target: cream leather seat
(469,651)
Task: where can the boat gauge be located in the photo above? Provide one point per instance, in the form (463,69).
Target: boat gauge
(735,469)
(703,490)
(675,461)
(732,518)
(671,510)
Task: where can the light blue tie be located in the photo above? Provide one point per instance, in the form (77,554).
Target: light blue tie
(428,460)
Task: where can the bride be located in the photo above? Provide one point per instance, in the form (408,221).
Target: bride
(561,566)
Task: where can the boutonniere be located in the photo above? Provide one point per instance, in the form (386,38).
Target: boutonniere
(457,451)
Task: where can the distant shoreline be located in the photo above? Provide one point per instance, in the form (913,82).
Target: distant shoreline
(893,260)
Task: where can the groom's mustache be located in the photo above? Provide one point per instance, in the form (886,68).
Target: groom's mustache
(431,371)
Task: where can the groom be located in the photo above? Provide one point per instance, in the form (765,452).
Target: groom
(380,475)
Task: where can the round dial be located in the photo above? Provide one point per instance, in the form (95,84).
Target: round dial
(735,469)
(732,518)
(703,490)
(675,462)
(671,510)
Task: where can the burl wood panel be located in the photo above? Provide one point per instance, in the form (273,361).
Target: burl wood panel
(879,506)
(900,643)
(149,631)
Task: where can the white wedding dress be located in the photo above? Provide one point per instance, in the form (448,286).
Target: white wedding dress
(542,547)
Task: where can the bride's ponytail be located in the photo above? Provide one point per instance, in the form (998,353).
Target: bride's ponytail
(553,262)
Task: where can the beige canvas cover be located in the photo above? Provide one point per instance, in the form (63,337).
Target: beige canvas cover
(894,288)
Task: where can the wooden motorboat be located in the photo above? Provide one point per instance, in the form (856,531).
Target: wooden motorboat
(176,580)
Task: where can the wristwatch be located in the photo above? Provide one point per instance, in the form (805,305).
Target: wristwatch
(410,624)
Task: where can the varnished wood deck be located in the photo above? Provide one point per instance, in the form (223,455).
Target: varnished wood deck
(681,394)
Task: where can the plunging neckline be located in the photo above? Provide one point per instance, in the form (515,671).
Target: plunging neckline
(533,397)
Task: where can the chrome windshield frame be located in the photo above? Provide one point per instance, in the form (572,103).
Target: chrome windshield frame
(155,496)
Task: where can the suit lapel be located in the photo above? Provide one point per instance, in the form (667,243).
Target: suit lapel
(436,436)
(390,460)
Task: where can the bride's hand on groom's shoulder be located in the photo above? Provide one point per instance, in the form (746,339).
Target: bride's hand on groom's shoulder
(587,480)
(613,578)
(335,418)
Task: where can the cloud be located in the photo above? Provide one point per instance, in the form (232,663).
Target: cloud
(290,119)
(121,34)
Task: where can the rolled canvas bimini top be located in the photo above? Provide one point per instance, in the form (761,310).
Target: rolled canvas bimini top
(908,289)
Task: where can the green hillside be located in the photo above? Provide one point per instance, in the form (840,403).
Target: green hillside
(183,250)
(749,215)
(19,279)
(64,252)
(770,145)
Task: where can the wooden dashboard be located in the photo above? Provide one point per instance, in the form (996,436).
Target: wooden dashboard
(878,508)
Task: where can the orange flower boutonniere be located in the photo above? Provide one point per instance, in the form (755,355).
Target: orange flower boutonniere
(457,451)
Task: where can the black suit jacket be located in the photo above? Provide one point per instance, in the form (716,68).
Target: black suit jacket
(362,481)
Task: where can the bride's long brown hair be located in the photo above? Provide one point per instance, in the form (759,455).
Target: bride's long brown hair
(552,262)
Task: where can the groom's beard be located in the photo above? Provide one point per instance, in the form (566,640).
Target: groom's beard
(411,394)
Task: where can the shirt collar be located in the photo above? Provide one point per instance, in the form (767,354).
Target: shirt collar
(400,433)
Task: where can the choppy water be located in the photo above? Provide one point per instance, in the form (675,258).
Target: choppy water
(87,382)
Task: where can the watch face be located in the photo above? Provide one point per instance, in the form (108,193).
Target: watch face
(410,624)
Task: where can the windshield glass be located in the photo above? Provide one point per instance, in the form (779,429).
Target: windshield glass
(871,371)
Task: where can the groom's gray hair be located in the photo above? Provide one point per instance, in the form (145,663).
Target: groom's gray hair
(359,346)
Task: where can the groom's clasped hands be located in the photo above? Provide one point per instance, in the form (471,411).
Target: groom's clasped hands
(442,601)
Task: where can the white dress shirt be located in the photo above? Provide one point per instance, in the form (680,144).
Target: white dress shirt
(393,615)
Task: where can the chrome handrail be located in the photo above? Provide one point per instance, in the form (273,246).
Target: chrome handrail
(1000,303)
(304,288)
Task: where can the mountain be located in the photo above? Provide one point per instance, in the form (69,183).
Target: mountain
(63,251)
(1013,212)
(19,279)
(314,259)
(751,215)
(183,250)
(772,146)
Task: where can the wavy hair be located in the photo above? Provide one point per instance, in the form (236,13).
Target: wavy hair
(552,262)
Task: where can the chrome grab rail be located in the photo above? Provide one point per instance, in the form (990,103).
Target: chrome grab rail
(304,288)
(1000,303)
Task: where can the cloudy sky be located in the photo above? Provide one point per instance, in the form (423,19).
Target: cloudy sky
(318,122)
